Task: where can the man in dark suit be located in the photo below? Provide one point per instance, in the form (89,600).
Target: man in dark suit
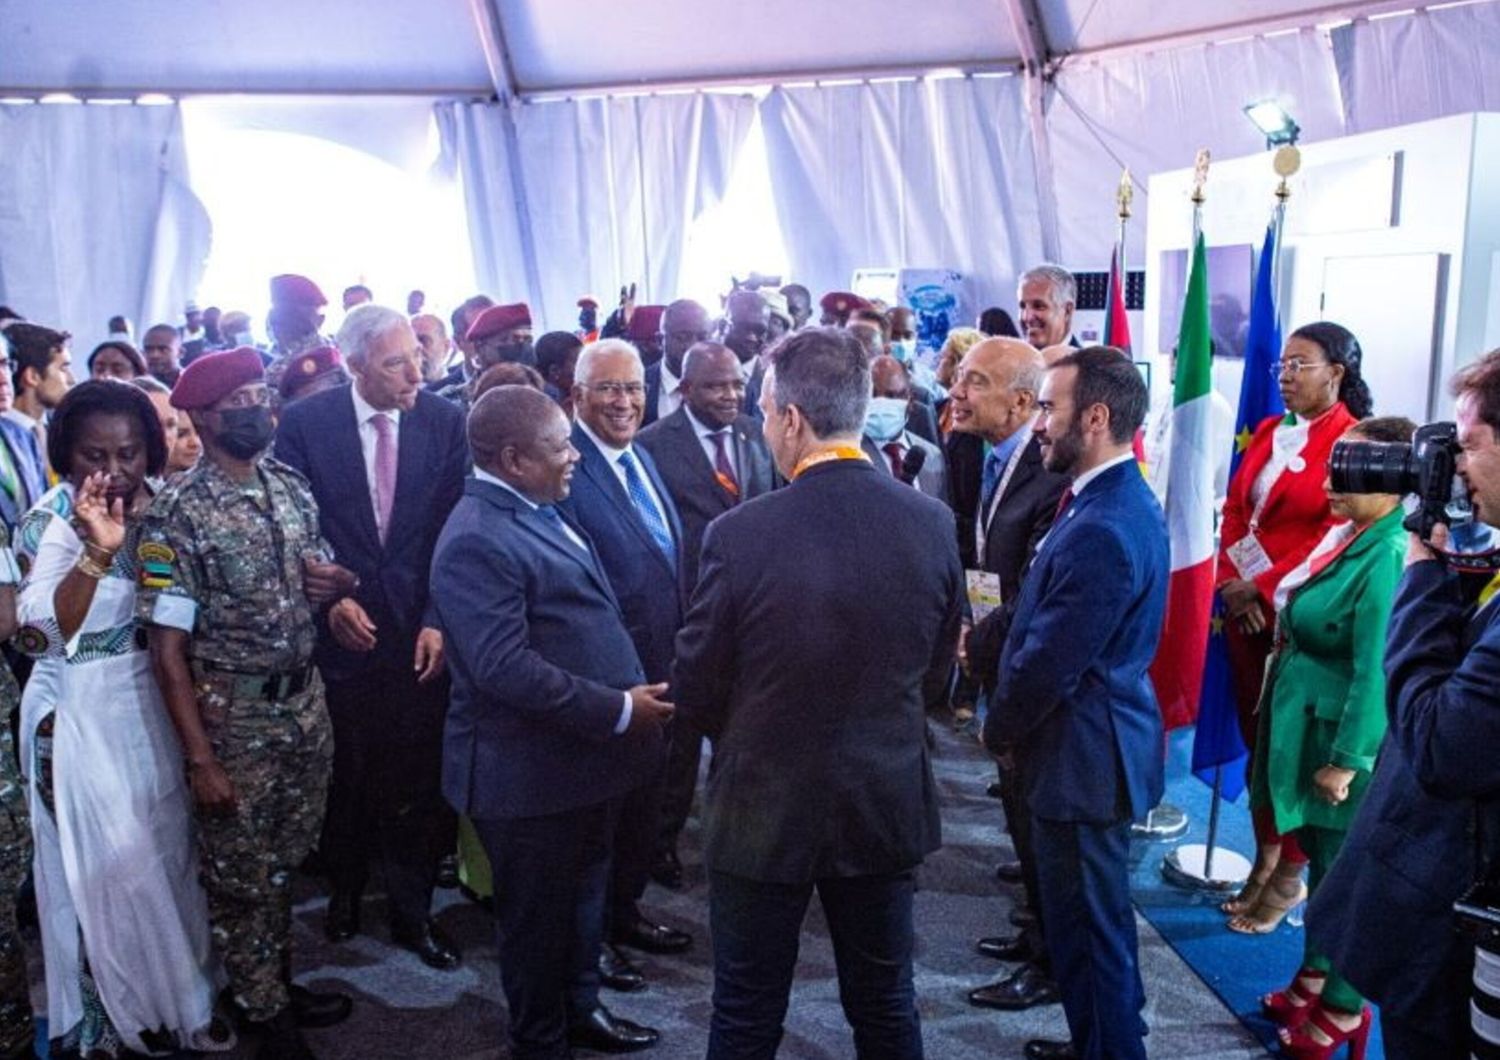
(624,505)
(551,720)
(684,323)
(386,461)
(995,399)
(812,678)
(1429,828)
(711,457)
(1074,701)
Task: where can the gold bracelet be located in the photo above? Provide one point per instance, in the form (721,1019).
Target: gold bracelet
(90,568)
(104,555)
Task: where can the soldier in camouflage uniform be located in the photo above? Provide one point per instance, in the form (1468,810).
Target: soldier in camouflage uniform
(17,1033)
(296,320)
(500,334)
(232,568)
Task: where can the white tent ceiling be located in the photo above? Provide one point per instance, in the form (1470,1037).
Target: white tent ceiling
(471,47)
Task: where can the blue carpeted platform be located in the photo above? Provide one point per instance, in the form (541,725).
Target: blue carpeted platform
(1238,968)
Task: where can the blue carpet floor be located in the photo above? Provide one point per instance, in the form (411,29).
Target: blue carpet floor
(1238,968)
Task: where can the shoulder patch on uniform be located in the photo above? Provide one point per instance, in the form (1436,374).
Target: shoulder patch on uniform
(156,561)
(155,552)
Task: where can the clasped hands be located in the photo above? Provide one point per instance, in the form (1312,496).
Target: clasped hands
(1242,604)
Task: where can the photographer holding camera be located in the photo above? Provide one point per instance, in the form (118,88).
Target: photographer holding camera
(1429,830)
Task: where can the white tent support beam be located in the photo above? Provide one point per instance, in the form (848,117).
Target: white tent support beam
(1026,24)
(491,32)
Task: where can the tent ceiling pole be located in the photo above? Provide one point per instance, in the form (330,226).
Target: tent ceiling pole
(1026,25)
(492,39)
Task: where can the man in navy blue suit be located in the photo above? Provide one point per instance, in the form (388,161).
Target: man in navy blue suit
(1074,702)
(386,461)
(823,625)
(621,501)
(551,720)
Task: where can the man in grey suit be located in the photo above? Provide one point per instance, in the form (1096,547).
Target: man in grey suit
(888,443)
(712,457)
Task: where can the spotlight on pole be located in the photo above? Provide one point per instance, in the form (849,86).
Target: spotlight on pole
(1275,124)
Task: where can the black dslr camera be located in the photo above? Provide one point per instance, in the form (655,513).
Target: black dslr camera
(1425,468)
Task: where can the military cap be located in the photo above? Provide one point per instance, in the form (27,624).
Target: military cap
(842,302)
(645,323)
(305,367)
(498,318)
(291,289)
(212,376)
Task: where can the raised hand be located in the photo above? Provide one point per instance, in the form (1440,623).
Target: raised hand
(99,522)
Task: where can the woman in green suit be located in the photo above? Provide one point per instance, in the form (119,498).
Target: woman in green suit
(1322,718)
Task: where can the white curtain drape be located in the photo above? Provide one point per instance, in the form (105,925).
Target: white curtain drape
(1416,66)
(926,173)
(1151,112)
(96,216)
(581,196)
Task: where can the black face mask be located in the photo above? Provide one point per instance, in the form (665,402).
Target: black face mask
(516,353)
(245,433)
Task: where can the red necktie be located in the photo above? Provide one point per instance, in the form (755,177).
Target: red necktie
(893,450)
(385,472)
(723,469)
(1062,503)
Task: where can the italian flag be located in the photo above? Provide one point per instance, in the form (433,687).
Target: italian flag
(1177,671)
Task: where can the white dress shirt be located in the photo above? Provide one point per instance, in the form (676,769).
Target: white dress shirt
(364,416)
(670,398)
(1082,481)
(612,457)
(706,440)
(484,476)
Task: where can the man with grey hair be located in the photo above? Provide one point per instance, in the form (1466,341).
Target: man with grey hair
(622,502)
(813,677)
(1047,295)
(386,461)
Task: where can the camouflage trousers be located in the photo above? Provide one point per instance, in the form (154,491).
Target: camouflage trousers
(17,1032)
(278,755)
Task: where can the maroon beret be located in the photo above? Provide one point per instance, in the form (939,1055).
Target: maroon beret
(305,367)
(498,318)
(291,289)
(645,323)
(588,301)
(842,302)
(213,376)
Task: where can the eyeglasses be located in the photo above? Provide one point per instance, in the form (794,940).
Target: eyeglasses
(1295,367)
(614,390)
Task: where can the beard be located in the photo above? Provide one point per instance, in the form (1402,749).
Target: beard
(1064,452)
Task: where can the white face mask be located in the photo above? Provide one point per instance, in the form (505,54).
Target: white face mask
(885,419)
(904,350)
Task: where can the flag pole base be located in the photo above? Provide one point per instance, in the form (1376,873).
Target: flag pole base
(1165,822)
(1184,867)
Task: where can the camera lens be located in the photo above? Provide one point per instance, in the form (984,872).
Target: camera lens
(1372,467)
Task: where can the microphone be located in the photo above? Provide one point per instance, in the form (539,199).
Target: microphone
(911,464)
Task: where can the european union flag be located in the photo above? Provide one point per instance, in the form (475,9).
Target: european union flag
(1217,744)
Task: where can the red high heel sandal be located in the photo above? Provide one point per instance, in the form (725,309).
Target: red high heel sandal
(1281,1010)
(1300,1045)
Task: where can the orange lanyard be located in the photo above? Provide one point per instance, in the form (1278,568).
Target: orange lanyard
(823,456)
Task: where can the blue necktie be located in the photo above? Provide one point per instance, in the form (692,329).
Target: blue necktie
(635,485)
(993,469)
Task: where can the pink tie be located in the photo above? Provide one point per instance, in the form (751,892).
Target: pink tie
(385,472)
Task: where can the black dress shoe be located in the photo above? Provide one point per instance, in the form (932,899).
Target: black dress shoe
(1005,947)
(667,870)
(617,972)
(995,790)
(1026,987)
(1042,1049)
(319,1008)
(1009,872)
(428,942)
(653,938)
(447,872)
(341,921)
(1023,917)
(604,1032)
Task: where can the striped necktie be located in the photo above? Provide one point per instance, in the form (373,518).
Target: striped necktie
(656,524)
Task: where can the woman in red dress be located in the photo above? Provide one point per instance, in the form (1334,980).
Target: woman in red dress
(1275,514)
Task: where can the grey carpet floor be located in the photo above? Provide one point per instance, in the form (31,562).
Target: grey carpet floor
(404,1009)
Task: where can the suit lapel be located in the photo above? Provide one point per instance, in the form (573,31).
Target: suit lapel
(596,467)
(531,523)
(412,439)
(693,453)
(344,439)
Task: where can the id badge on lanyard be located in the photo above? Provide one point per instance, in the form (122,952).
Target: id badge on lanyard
(982,518)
